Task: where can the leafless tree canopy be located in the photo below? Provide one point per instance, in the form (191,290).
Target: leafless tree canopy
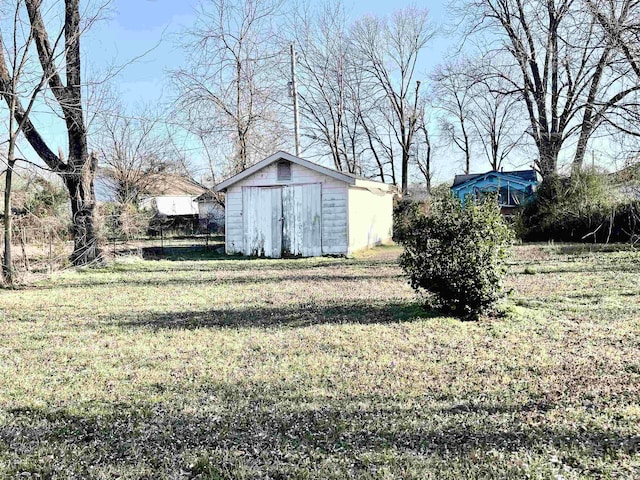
(133,150)
(389,50)
(328,83)
(226,89)
(476,115)
(360,88)
(555,58)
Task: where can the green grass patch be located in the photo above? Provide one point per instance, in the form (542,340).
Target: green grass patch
(322,368)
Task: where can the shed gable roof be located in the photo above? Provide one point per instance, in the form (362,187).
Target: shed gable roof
(346,178)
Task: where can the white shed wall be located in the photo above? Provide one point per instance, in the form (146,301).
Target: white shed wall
(334,206)
(370,218)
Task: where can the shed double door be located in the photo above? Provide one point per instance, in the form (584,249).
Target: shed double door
(283,220)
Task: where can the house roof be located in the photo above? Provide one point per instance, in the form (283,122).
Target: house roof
(348,178)
(523,176)
(156,184)
(208,195)
(172,184)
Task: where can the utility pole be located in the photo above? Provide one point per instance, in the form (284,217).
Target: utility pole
(294,94)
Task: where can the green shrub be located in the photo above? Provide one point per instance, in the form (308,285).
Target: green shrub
(580,208)
(456,254)
(46,199)
(405,213)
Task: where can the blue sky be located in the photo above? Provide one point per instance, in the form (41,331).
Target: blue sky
(138,26)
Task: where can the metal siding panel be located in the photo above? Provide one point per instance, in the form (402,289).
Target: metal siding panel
(286,220)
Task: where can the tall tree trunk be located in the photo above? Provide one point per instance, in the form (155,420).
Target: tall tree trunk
(581,149)
(7,261)
(548,163)
(79,171)
(467,151)
(83,205)
(405,170)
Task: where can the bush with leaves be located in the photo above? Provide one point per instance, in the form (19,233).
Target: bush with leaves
(456,254)
(405,213)
(47,199)
(582,208)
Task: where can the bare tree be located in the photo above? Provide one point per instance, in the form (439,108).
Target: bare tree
(17,80)
(9,79)
(424,152)
(620,20)
(563,61)
(378,136)
(321,41)
(228,87)
(78,169)
(389,50)
(453,98)
(496,122)
(133,150)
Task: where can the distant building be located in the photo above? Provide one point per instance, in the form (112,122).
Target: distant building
(514,188)
(211,211)
(626,182)
(418,192)
(172,195)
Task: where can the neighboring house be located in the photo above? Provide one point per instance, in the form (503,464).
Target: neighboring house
(172,198)
(285,205)
(514,188)
(418,192)
(172,195)
(210,212)
(626,182)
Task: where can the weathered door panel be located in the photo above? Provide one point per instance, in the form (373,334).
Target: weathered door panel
(302,217)
(262,221)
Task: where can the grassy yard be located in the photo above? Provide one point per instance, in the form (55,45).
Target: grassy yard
(322,368)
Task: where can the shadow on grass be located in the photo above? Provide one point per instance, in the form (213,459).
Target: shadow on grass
(264,434)
(187,253)
(301,315)
(235,280)
(195,252)
(240,263)
(214,278)
(631,267)
(586,248)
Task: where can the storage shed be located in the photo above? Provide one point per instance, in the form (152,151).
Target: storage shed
(286,205)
